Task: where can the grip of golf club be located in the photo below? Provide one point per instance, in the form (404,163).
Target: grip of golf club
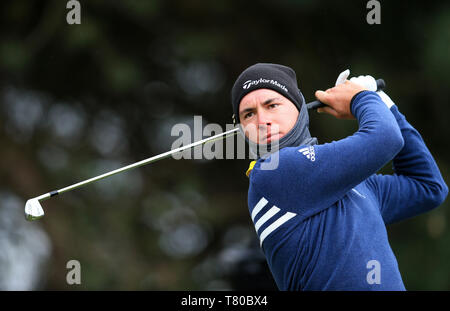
(317,104)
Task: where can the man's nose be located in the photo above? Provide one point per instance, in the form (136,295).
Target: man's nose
(263,119)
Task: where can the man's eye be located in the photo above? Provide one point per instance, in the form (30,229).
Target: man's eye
(248,115)
(271,106)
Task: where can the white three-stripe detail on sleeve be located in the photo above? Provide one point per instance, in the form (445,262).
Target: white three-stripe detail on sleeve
(275,225)
(266,217)
(258,207)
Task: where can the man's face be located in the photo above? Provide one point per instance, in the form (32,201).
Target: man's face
(266,115)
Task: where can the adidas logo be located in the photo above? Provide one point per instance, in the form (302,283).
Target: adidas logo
(266,217)
(309,153)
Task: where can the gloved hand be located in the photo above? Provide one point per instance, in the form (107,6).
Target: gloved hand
(370,83)
(342,77)
(337,99)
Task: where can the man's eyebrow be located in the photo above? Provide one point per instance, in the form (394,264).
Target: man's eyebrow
(246,110)
(270,100)
(266,102)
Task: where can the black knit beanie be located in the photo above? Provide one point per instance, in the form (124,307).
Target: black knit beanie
(279,78)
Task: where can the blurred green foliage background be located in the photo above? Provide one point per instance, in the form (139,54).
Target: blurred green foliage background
(79,100)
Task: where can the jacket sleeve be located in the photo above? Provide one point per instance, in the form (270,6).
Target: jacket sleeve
(319,176)
(416,186)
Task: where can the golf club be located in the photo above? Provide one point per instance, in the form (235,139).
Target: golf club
(33,207)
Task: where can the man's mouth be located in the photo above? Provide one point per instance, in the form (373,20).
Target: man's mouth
(270,137)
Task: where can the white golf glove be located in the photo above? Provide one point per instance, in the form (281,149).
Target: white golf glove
(342,77)
(368,82)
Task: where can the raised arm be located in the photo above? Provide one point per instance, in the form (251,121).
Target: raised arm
(417,185)
(340,165)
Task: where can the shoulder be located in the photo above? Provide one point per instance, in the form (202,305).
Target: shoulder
(282,165)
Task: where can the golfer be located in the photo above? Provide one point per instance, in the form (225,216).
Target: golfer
(321,212)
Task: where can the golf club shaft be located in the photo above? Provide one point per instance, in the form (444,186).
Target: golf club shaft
(312,105)
(317,104)
(138,164)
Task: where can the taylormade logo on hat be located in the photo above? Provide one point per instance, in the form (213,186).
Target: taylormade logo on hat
(249,83)
(279,78)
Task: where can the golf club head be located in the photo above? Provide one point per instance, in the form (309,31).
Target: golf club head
(33,210)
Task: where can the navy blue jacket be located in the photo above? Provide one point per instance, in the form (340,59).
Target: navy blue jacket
(321,215)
